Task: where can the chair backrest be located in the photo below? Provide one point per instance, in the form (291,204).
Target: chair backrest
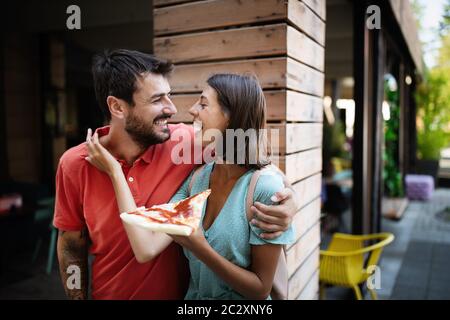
(344,260)
(374,257)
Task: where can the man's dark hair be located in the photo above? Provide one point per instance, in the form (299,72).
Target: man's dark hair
(115,73)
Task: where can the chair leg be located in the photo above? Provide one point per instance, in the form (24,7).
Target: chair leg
(37,248)
(357,292)
(51,251)
(373,294)
(322,293)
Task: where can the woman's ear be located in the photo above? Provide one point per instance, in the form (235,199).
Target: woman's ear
(116,107)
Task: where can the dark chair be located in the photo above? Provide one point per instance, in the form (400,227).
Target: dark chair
(336,203)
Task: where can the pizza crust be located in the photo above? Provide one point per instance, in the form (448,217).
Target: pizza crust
(142,222)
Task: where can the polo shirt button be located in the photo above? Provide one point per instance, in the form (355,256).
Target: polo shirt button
(131,179)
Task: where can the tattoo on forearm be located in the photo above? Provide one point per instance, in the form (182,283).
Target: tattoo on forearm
(73,264)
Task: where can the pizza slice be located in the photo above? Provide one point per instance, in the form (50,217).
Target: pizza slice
(179,218)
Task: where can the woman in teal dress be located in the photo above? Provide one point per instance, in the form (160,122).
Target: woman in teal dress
(228,257)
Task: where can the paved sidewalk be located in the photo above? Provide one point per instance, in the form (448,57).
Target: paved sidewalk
(424,271)
(417,264)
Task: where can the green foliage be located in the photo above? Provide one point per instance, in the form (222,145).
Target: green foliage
(419,13)
(393,179)
(433,103)
(333,141)
(444,25)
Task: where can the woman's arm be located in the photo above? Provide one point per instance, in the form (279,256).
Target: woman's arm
(255,283)
(146,244)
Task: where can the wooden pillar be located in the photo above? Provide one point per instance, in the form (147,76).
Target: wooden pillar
(412,129)
(282,42)
(368,94)
(407,119)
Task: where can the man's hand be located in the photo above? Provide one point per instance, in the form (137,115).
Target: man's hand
(73,263)
(275,219)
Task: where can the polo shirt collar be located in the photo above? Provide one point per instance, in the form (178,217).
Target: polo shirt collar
(146,156)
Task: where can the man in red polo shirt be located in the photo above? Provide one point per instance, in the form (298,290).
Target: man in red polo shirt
(133,91)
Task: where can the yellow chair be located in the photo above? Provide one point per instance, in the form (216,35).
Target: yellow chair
(346,261)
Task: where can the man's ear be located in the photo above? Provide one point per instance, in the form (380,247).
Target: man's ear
(116,107)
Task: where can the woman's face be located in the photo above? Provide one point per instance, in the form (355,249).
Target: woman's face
(208,112)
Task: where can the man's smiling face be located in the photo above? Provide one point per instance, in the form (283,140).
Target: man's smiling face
(146,121)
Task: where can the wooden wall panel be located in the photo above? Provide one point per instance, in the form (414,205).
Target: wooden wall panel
(260,41)
(308,189)
(282,105)
(311,291)
(302,276)
(300,251)
(306,218)
(306,20)
(303,107)
(318,6)
(272,73)
(295,137)
(159,3)
(210,14)
(224,44)
(282,43)
(303,164)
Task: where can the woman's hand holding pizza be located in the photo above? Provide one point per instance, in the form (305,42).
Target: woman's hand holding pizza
(195,242)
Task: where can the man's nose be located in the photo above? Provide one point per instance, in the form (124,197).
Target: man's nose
(170,108)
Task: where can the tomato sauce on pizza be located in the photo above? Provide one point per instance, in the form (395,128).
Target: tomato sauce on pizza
(184,212)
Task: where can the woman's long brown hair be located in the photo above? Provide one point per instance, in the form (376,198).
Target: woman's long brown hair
(242,99)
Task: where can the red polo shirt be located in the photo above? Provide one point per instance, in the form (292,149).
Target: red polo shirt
(85,198)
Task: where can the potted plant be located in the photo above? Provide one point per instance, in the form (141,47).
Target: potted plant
(433,116)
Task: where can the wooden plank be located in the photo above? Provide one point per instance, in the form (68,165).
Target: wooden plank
(269,40)
(271,72)
(303,107)
(310,292)
(300,279)
(192,78)
(224,44)
(305,19)
(285,133)
(299,252)
(318,6)
(158,3)
(308,189)
(303,78)
(305,219)
(295,137)
(282,105)
(276,105)
(302,136)
(300,165)
(210,14)
(305,50)
(275,101)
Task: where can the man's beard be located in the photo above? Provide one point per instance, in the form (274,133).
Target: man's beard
(143,133)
